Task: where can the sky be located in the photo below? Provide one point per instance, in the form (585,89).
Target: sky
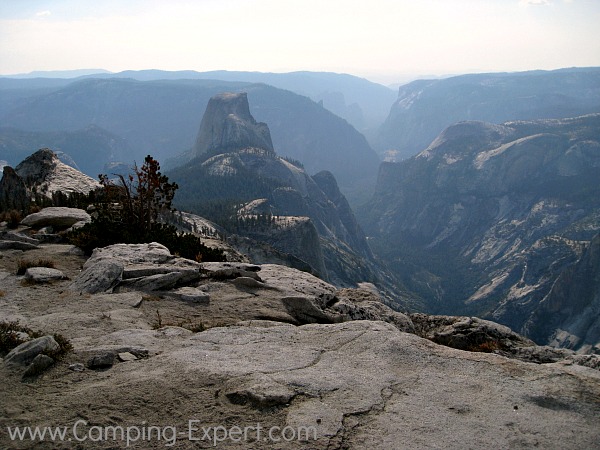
(385,41)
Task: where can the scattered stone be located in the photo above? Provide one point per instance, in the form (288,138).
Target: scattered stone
(17,245)
(100,277)
(39,364)
(76,251)
(77,367)
(126,356)
(249,283)
(190,294)
(45,231)
(43,275)
(47,236)
(101,361)
(16,236)
(55,216)
(160,282)
(232,273)
(146,270)
(543,354)
(137,301)
(24,353)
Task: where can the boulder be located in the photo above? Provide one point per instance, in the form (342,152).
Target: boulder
(352,304)
(127,357)
(190,294)
(373,310)
(16,236)
(54,216)
(43,275)
(102,360)
(100,277)
(130,254)
(24,353)
(160,282)
(468,333)
(144,267)
(309,310)
(17,245)
(249,282)
(77,367)
(13,192)
(228,271)
(39,364)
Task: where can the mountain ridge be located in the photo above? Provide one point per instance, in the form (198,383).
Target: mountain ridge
(486,218)
(424,108)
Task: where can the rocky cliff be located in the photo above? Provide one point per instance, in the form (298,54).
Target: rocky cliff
(569,315)
(424,108)
(40,174)
(230,157)
(227,125)
(488,216)
(265,346)
(13,192)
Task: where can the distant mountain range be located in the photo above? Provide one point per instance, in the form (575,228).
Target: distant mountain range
(424,108)
(487,218)
(361,102)
(161,118)
(492,211)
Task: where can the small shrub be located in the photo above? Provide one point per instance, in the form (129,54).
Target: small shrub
(10,338)
(12,218)
(23,265)
(158,323)
(64,347)
(2,293)
(130,212)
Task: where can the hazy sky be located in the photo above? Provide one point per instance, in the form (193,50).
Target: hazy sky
(383,40)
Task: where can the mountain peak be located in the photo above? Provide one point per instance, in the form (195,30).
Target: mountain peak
(227,126)
(47,173)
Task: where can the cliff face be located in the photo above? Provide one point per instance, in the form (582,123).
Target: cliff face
(42,173)
(309,218)
(424,108)
(569,315)
(227,125)
(486,218)
(13,192)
